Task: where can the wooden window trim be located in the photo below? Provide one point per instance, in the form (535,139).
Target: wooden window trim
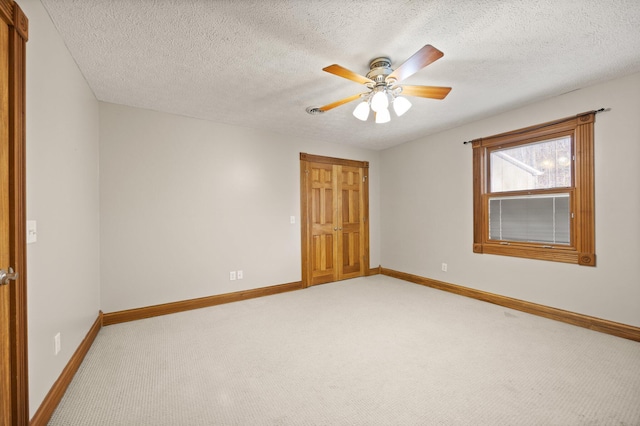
(582,248)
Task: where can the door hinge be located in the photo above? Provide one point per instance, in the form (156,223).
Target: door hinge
(364,178)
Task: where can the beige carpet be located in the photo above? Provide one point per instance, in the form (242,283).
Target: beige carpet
(368,351)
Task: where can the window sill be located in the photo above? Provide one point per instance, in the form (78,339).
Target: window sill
(556,254)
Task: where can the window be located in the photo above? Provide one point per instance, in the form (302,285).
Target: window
(533,192)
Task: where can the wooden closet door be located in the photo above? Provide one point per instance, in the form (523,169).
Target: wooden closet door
(334,228)
(350,241)
(323,222)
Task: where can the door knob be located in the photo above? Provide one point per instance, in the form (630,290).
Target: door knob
(5,276)
(335,229)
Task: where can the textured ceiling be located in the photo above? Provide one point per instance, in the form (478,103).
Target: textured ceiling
(258,63)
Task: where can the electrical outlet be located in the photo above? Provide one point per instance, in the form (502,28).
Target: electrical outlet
(444,267)
(232,276)
(56,344)
(240,275)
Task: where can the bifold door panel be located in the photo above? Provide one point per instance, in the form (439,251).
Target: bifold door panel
(335,233)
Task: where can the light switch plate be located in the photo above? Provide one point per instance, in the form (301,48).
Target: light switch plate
(32,233)
(56,344)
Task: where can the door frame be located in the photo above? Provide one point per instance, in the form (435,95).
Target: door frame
(305,205)
(18,25)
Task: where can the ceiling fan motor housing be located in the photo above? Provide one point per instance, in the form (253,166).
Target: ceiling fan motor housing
(380,69)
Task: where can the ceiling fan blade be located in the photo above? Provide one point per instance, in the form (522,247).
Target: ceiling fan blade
(338,103)
(433,92)
(419,60)
(348,74)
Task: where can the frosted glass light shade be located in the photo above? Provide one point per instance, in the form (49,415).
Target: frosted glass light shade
(362,111)
(401,105)
(383,116)
(379,101)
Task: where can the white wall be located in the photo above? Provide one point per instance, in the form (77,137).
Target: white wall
(62,196)
(186,201)
(427,218)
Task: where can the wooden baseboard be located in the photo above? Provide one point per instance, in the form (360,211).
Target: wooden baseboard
(51,401)
(592,323)
(202,302)
(372,271)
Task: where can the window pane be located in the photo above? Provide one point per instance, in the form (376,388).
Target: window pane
(539,165)
(536,218)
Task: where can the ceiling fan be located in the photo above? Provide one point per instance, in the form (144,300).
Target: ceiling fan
(384,88)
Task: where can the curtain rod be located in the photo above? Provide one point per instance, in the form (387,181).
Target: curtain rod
(554,122)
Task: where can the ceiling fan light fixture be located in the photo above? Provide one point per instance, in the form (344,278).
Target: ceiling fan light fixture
(383,116)
(362,111)
(401,105)
(380,101)
(384,86)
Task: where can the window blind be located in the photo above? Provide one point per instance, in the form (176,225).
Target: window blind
(539,218)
